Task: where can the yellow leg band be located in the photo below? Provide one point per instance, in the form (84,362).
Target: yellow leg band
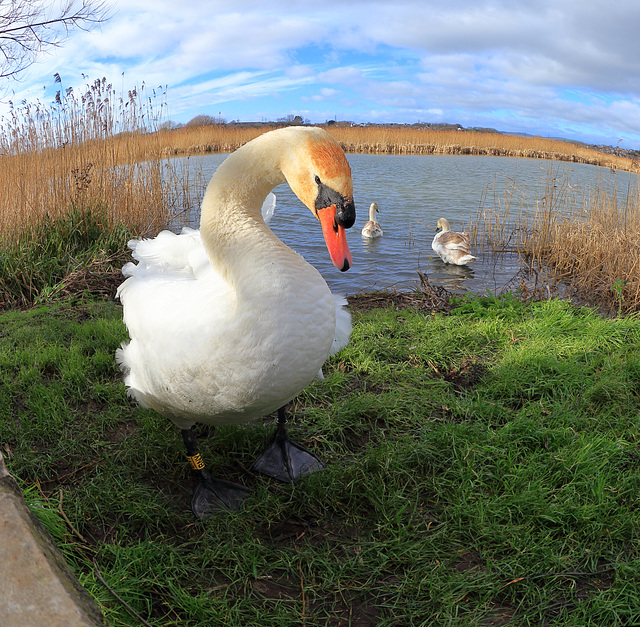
(196,462)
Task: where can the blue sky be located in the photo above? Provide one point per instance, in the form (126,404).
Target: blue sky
(565,68)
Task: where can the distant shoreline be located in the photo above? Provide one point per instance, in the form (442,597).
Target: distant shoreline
(398,139)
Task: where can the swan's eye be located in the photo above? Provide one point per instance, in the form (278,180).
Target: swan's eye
(317,180)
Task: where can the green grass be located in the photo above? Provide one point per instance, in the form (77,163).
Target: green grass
(39,263)
(483,468)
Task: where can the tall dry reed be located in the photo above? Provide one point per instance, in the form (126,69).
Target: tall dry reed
(595,247)
(91,150)
(587,237)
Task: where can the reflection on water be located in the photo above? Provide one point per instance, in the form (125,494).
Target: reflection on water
(412,192)
(454,278)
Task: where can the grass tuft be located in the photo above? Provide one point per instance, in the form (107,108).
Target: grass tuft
(48,260)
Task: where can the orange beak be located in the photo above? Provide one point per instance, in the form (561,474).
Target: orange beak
(335,237)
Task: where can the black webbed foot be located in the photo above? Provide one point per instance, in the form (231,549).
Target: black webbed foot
(211,495)
(284,459)
(217,495)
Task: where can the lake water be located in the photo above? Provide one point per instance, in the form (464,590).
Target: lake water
(412,192)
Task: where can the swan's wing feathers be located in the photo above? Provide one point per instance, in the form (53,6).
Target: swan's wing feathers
(453,247)
(199,262)
(173,324)
(343,324)
(269,207)
(167,253)
(162,288)
(343,328)
(451,239)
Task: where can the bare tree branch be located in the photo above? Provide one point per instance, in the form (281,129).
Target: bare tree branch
(29,27)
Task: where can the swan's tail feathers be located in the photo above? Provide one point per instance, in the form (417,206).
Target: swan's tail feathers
(462,257)
(343,324)
(458,258)
(269,207)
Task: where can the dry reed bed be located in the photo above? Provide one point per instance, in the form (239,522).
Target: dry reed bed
(90,151)
(595,250)
(204,139)
(35,186)
(591,158)
(588,238)
(95,151)
(408,140)
(402,140)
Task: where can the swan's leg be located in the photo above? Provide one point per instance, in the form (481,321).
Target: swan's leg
(211,495)
(284,459)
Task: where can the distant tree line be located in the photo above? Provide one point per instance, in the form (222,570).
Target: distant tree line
(208,120)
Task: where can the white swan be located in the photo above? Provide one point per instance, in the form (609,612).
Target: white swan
(451,246)
(372,227)
(228,324)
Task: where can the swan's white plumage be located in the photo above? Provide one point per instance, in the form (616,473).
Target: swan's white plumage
(451,246)
(372,227)
(227,323)
(178,255)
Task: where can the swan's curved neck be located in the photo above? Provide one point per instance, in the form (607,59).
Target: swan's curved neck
(239,243)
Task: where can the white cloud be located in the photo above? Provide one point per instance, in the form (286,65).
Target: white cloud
(323,95)
(558,64)
(341,75)
(299,71)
